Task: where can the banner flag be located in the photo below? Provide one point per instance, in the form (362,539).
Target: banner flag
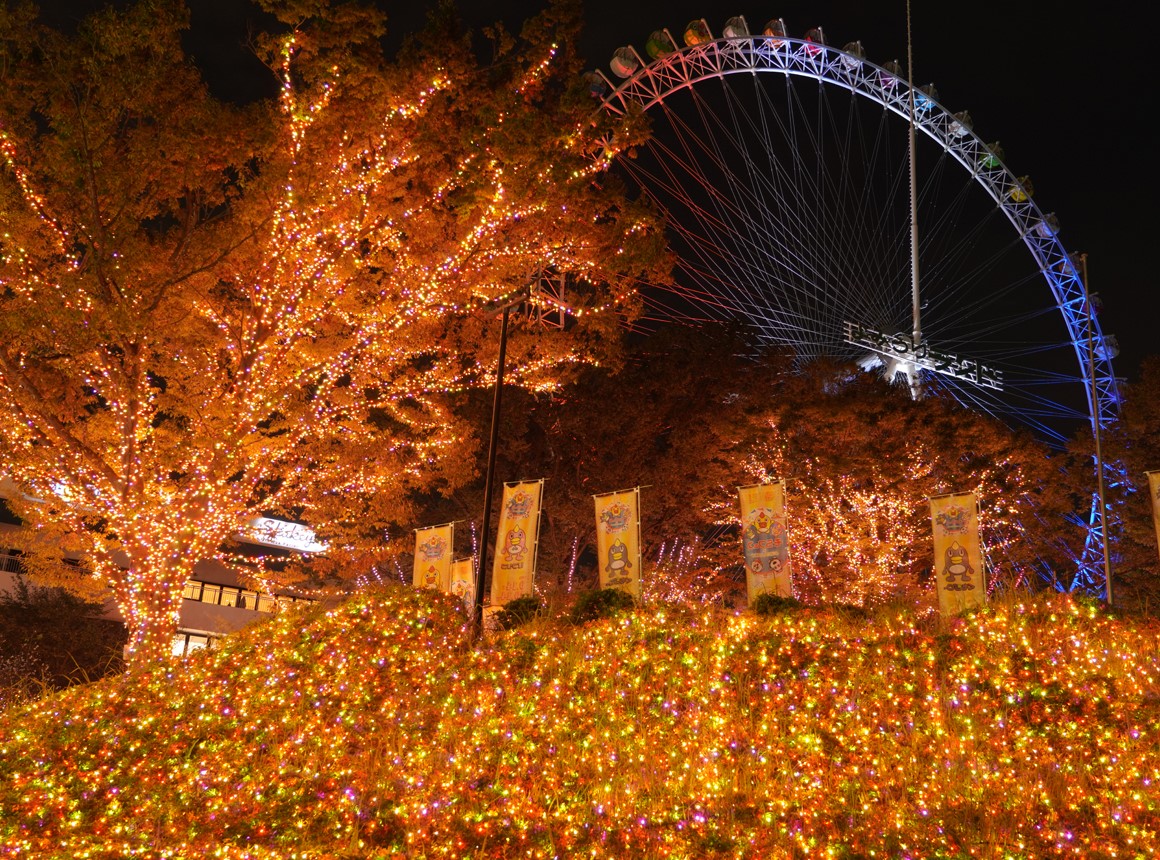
(433,557)
(463,581)
(516,541)
(765,541)
(1154,493)
(618,540)
(958,559)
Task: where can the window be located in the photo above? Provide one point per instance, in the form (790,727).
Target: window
(226,595)
(186,643)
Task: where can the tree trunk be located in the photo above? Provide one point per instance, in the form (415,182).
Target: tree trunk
(151,606)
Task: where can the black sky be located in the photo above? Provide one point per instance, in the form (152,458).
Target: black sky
(1068,96)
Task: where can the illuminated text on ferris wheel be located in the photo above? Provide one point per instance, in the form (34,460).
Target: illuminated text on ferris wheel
(901,347)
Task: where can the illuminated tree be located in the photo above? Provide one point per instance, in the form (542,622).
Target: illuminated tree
(210,312)
(652,420)
(1131,448)
(691,418)
(861,459)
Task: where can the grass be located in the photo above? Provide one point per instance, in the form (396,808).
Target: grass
(374,729)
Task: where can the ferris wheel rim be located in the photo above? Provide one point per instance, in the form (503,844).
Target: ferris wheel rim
(718,58)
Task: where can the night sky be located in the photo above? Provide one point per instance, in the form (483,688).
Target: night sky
(1067,96)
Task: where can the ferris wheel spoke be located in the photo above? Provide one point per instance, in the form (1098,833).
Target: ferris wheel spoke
(786,188)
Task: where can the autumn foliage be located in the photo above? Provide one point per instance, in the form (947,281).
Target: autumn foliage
(693,414)
(210,312)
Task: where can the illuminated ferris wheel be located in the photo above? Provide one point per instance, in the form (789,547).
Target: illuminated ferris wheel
(783,167)
(841,213)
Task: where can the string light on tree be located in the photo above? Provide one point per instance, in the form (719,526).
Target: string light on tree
(214,313)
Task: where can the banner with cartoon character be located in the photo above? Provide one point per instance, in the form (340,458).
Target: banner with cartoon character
(958,560)
(463,581)
(618,540)
(515,551)
(1154,493)
(433,556)
(764,540)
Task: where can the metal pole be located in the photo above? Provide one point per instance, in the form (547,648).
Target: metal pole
(916,307)
(1100,493)
(491,449)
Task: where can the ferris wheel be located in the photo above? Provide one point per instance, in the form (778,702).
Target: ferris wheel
(784,168)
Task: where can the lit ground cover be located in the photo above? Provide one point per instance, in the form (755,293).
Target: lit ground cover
(373,729)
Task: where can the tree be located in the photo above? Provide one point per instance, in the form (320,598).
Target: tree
(653,420)
(211,312)
(1130,450)
(861,458)
(692,417)
(665,422)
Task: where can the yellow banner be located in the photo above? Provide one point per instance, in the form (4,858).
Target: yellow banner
(1154,493)
(764,540)
(515,548)
(618,540)
(958,559)
(463,581)
(433,557)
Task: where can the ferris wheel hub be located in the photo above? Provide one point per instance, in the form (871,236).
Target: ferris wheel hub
(898,353)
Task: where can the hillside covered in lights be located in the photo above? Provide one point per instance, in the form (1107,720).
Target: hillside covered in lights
(373,729)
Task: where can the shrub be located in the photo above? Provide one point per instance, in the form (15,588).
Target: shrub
(773,604)
(58,638)
(603,603)
(849,611)
(518,612)
(22,678)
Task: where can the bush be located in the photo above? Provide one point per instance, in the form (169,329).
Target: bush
(773,604)
(518,612)
(604,603)
(58,638)
(849,611)
(22,679)
(1096,605)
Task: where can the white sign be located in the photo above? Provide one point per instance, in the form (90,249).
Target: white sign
(902,346)
(279,533)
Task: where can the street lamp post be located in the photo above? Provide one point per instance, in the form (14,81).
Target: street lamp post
(491,450)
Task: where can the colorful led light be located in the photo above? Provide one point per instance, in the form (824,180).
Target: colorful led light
(372,729)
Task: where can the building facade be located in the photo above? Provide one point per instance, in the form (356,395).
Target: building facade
(214,602)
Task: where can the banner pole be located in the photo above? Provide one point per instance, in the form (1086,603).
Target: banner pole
(536,545)
(639,549)
(436,526)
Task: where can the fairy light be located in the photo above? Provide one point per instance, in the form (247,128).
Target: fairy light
(536,74)
(35,202)
(683,574)
(863,540)
(672,732)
